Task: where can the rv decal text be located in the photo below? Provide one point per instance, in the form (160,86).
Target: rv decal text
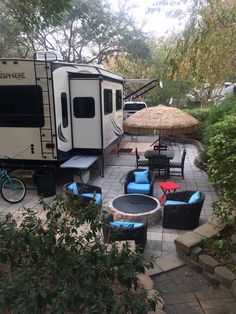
(14,75)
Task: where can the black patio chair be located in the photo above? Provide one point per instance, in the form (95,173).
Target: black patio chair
(183,216)
(159,163)
(86,192)
(140,162)
(130,180)
(138,234)
(178,165)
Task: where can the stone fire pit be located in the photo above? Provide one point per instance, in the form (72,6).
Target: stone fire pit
(136,207)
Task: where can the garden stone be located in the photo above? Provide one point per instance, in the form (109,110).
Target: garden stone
(194,265)
(224,275)
(188,240)
(194,253)
(208,263)
(207,230)
(210,278)
(145,281)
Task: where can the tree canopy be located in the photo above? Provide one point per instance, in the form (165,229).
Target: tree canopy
(83,31)
(205,53)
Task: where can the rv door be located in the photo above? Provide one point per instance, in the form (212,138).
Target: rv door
(86,113)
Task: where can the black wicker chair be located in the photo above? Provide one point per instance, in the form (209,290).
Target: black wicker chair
(140,162)
(176,165)
(182,216)
(131,178)
(139,235)
(83,188)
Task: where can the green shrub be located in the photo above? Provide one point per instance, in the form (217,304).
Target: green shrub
(201,114)
(222,165)
(222,109)
(216,114)
(49,267)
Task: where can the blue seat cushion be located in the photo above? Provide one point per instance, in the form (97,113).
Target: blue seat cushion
(73,188)
(141,176)
(171,202)
(139,188)
(125,224)
(195,197)
(97,196)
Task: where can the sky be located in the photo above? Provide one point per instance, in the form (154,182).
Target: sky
(157,23)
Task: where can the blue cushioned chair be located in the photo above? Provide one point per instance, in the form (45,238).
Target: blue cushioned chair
(139,182)
(182,209)
(87,192)
(121,231)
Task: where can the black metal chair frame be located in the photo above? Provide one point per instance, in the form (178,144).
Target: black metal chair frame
(180,165)
(159,163)
(139,235)
(140,162)
(182,216)
(82,188)
(160,147)
(131,178)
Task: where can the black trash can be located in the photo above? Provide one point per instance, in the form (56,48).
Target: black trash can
(45,182)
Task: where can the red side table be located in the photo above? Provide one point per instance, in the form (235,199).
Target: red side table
(167,187)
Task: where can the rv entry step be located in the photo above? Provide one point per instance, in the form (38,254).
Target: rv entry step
(81,162)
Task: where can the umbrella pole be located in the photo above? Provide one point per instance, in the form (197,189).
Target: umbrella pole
(158,139)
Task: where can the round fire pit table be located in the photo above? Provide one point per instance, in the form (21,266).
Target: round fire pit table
(136,207)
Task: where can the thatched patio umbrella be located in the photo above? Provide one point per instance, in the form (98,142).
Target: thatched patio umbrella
(160,120)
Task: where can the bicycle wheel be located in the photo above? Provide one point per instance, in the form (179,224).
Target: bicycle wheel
(13,190)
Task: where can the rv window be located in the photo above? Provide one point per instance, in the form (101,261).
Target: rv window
(84,107)
(107,101)
(21,106)
(118,99)
(64,110)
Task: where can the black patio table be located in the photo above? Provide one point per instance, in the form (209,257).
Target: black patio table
(157,163)
(152,153)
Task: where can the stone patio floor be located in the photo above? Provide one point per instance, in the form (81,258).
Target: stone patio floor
(177,284)
(160,240)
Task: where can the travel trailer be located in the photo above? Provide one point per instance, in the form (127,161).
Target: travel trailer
(51,111)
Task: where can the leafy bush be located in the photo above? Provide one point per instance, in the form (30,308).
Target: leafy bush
(201,114)
(216,114)
(222,165)
(222,109)
(51,267)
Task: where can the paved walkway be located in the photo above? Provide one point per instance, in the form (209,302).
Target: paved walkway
(185,291)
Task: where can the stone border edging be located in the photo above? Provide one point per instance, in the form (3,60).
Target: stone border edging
(187,248)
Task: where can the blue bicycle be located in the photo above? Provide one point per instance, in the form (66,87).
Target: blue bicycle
(12,189)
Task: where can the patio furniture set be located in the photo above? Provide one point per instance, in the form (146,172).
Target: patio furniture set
(130,214)
(159,160)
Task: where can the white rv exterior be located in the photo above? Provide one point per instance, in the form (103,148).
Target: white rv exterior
(50,110)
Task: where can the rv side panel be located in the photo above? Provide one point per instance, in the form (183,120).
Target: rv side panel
(112,107)
(26,125)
